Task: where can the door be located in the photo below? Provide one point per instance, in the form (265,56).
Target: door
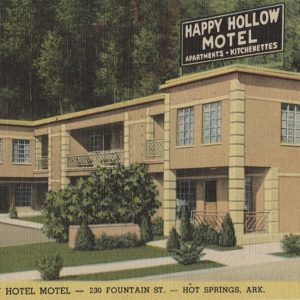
(4,201)
(249,215)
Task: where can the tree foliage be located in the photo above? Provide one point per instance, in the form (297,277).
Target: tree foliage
(109,195)
(77,54)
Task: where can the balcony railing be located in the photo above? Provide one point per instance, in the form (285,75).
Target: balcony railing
(214,219)
(255,222)
(94,159)
(155,148)
(42,163)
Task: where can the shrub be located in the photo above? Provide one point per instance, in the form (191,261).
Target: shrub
(173,242)
(13,214)
(158,226)
(291,244)
(50,266)
(185,224)
(189,255)
(227,234)
(146,229)
(108,242)
(205,234)
(85,239)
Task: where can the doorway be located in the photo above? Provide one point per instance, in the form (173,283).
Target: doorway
(4,201)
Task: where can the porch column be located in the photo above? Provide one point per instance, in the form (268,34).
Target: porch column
(149,126)
(272,200)
(169,176)
(126,139)
(38,150)
(237,156)
(49,159)
(65,151)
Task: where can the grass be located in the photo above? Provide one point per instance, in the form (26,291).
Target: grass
(151,271)
(220,248)
(21,258)
(35,219)
(284,254)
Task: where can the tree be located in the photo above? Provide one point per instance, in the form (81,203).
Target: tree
(227,234)
(185,224)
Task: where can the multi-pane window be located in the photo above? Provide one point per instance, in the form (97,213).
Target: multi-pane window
(211,123)
(210,191)
(185,126)
(290,123)
(23,194)
(96,142)
(1,151)
(21,151)
(186,194)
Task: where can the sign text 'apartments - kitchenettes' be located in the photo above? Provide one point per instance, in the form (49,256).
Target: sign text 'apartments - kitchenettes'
(238,34)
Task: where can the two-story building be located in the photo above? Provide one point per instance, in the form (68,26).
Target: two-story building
(225,140)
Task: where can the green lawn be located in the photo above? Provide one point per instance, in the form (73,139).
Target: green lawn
(220,248)
(151,271)
(35,219)
(284,254)
(21,258)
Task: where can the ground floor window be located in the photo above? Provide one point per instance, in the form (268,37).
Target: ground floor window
(23,194)
(186,194)
(210,191)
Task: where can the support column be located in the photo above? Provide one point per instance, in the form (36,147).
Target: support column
(169,176)
(126,139)
(149,126)
(272,199)
(38,150)
(49,159)
(65,151)
(237,157)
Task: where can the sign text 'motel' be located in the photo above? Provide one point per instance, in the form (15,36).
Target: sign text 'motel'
(238,34)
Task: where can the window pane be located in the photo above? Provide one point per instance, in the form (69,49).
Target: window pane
(21,151)
(185,126)
(290,123)
(211,125)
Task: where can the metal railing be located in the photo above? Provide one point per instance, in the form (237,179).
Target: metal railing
(213,219)
(42,163)
(255,222)
(94,159)
(154,148)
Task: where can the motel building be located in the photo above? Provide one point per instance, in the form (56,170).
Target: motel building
(225,140)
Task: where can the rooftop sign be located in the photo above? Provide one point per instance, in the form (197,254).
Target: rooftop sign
(239,34)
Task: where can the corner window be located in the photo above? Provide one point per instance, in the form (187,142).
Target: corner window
(186,194)
(211,191)
(23,194)
(185,126)
(290,123)
(1,151)
(21,151)
(211,124)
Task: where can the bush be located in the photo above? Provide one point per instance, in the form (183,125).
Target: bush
(146,229)
(108,242)
(85,239)
(158,226)
(291,244)
(109,195)
(206,235)
(173,242)
(13,214)
(227,234)
(189,255)
(50,266)
(185,224)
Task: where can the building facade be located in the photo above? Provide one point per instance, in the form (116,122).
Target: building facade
(226,140)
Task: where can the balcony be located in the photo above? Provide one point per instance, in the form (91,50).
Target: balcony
(256,222)
(42,163)
(95,159)
(155,149)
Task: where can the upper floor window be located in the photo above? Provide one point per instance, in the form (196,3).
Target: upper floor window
(101,141)
(23,194)
(211,123)
(185,126)
(290,123)
(1,150)
(21,153)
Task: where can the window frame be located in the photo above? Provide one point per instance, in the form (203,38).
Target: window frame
(217,137)
(190,186)
(290,124)
(21,152)
(187,127)
(24,191)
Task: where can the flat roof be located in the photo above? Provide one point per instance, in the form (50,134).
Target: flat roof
(255,70)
